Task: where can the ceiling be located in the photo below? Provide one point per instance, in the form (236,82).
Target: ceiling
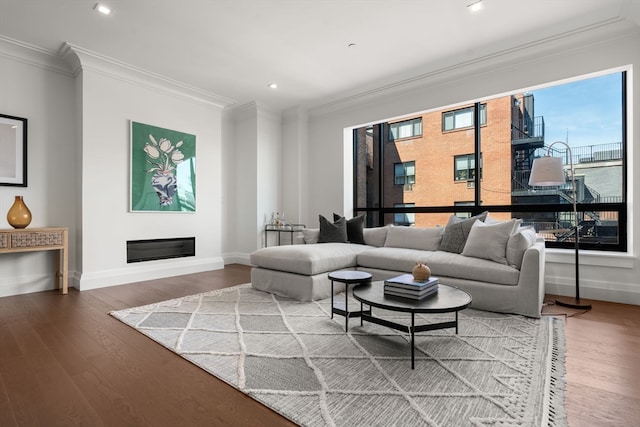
(235,48)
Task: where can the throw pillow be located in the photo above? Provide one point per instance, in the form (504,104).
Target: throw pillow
(489,241)
(354,228)
(426,239)
(310,235)
(376,236)
(332,232)
(518,244)
(456,232)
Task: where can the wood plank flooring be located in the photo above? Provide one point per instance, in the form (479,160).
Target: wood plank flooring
(65,362)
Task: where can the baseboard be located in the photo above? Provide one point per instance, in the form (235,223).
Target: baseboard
(622,293)
(149,270)
(236,258)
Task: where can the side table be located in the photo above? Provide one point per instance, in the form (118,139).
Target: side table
(286,228)
(348,277)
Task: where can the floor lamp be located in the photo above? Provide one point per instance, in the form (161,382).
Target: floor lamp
(547,171)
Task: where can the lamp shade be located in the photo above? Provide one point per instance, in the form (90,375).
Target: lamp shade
(547,171)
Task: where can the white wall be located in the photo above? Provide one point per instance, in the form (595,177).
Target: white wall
(79,105)
(36,86)
(604,276)
(111,98)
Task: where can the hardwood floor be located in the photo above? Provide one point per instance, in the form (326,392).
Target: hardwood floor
(64,361)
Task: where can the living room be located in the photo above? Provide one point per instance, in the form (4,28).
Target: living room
(256,159)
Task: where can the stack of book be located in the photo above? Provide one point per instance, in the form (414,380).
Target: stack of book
(404,286)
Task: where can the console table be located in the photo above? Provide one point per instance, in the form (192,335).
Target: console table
(40,239)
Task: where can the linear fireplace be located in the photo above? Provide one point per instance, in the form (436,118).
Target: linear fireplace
(153,249)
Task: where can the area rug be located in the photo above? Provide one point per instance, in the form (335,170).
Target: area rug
(500,370)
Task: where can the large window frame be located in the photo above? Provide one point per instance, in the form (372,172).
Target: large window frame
(379,213)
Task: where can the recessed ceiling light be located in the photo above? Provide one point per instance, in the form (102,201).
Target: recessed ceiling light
(476,6)
(273,85)
(105,10)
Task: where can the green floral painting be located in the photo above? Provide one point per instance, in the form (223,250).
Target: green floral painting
(163,169)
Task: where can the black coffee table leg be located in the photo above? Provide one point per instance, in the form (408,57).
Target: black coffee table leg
(332,299)
(412,340)
(346,307)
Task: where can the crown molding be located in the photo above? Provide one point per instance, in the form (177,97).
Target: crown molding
(33,55)
(253,109)
(602,31)
(80,59)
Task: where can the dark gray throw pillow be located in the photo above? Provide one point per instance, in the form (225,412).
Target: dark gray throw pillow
(332,232)
(456,233)
(355,226)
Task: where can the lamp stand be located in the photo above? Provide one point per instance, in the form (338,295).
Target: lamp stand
(577,304)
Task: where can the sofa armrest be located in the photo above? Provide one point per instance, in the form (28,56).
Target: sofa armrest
(531,281)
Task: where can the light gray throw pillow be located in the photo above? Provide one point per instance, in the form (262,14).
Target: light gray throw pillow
(310,235)
(489,241)
(375,236)
(426,239)
(518,244)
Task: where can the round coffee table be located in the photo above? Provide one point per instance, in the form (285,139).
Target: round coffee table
(348,277)
(447,300)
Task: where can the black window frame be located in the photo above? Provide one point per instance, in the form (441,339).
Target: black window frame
(376,214)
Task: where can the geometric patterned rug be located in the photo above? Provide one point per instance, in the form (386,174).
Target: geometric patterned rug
(500,370)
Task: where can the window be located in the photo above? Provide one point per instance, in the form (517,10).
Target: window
(405,129)
(462,118)
(404,218)
(524,125)
(405,174)
(465,167)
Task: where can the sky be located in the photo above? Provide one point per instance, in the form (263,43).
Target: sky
(588,111)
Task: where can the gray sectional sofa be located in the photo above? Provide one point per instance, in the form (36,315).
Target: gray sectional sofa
(498,262)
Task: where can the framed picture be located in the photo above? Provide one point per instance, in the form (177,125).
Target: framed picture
(13,151)
(163,169)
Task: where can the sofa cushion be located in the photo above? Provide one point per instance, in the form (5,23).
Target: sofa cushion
(308,259)
(427,239)
(442,264)
(456,232)
(375,236)
(518,244)
(354,228)
(489,241)
(332,232)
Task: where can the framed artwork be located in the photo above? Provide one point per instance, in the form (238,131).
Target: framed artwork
(163,169)
(13,151)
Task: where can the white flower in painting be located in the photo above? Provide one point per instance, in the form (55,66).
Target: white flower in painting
(165,145)
(151,151)
(177,156)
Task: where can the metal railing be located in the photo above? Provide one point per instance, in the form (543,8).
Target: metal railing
(523,128)
(587,153)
